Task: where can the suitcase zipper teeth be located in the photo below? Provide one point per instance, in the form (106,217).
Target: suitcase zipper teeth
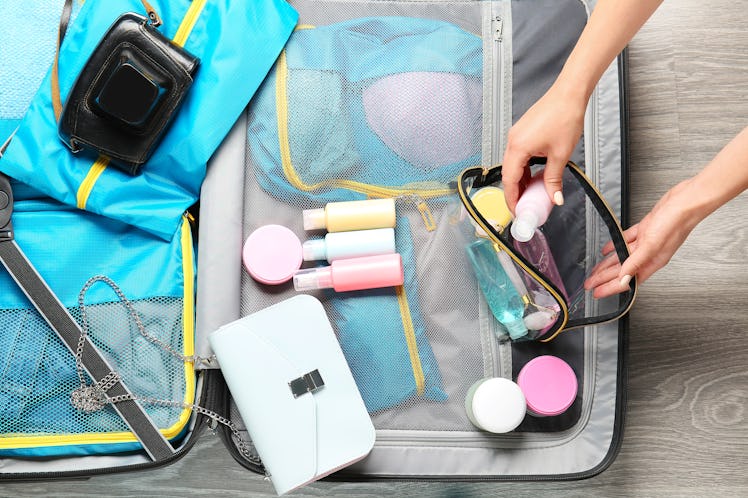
(497,90)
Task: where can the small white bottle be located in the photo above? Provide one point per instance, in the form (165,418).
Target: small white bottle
(355,244)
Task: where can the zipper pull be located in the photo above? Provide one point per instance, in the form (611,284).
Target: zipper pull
(498,29)
(423,210)
(153,18)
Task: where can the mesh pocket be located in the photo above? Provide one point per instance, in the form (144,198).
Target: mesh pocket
(349,126)
(38,373)
(334,122)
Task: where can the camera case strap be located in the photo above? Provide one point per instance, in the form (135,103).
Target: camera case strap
(126,94)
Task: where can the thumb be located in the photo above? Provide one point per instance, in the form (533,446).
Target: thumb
(553,178)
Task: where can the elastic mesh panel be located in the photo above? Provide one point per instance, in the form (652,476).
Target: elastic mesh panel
(414,127)
(38,373)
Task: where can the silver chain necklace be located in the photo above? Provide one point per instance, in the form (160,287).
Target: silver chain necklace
(90,398)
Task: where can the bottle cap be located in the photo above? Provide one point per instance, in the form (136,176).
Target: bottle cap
(495,405)
(549,384)
(314,219)
(539,320)
(491,204)
(516,329)
(313,279)
(524,226)
(314,250)
(272,254)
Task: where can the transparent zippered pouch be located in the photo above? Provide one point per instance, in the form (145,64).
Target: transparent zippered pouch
(535,289)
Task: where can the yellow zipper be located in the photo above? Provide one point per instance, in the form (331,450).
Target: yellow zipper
(188,22)
(20,441)
(410,339)
(98,167)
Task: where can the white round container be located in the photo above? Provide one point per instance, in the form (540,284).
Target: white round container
(495,405)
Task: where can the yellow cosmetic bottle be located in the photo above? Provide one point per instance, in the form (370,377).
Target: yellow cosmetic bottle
(351,215)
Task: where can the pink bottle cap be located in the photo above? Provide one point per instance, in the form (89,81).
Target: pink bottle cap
(549,384)
(272,254)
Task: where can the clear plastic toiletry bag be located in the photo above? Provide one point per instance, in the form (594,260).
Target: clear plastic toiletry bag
(536,288)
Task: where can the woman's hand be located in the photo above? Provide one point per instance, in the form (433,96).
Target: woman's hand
(550,128)
(652,242)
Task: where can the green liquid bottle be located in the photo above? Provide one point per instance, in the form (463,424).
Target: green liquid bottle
(502,297)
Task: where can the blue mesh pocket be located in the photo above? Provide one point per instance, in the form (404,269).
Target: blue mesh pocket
(383,337)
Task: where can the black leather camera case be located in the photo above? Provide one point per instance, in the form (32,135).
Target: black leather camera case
(127,93)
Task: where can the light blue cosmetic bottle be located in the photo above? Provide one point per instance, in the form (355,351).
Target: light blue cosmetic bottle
(502,297)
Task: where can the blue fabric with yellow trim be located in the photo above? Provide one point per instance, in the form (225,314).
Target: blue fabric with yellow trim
(373,107)
(68,246)
(237,43)
(369,100)
(390,361)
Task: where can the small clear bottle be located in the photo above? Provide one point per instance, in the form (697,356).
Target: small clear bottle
(503,299)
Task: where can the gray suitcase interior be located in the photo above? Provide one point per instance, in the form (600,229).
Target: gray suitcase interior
(524,45)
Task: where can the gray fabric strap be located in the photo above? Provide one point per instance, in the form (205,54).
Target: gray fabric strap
(57,316)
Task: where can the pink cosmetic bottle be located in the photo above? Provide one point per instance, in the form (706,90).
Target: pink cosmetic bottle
(538,252)
(370,272)
(532,209)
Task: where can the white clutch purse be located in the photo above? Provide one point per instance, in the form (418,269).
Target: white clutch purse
(294,391)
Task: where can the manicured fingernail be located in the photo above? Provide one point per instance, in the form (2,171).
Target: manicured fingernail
(625,280)
(558,198)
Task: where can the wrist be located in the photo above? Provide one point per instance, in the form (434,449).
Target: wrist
(693,200)
(573,91)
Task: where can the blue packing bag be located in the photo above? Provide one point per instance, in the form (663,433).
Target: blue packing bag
(236,42)
(38,373)
(373,107)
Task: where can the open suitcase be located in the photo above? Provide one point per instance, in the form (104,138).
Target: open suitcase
(453,75)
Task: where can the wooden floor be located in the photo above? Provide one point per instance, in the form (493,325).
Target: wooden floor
(687,419)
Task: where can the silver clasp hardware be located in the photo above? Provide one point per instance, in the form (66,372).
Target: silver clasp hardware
(307,383)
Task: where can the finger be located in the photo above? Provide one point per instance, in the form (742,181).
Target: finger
(609,288)
(638,259)
(611,260)
(601,277)
(512,172)
(629,235)
(553,178)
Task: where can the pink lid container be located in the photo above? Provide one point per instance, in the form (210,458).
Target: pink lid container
(272,254)
(549,385)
